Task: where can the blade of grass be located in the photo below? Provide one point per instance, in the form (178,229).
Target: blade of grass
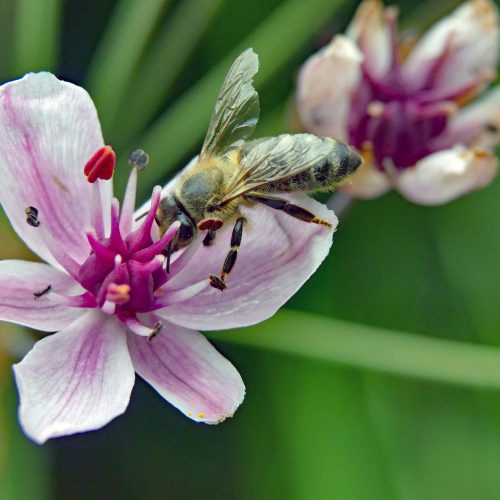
(182,127)
(26,471)
(6,38)
(161,65)
(424,14)
(367,347)
(36,35)
(119,51)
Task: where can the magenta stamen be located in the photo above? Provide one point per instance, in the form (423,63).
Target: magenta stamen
(63,258)
(178,296)
(85,300)
(391,15)
(127,215)
(159,246)
(142,237)
(116,240)
(181,262)
(148,267)
(96,213)
(467,90)
(119,274)
(136,326)
(438,65)
(99,249)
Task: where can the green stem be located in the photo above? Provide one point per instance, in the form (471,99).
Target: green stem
(367,347)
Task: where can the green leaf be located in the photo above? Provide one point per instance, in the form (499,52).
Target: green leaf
(26,472)
(467,233)
(323,430)
(119,51)
(373,348)
(439,442)
(162,63)
(36,35)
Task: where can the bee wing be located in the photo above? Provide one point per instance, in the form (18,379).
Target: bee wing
(277,158)
(236,111)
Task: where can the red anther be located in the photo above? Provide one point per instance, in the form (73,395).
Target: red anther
(101,165)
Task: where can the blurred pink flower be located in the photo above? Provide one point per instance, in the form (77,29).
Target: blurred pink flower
(410,109)
(105,285)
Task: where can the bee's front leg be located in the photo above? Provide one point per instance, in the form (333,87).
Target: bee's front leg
(209,238)
(287,207)
(219,281)
(211,224)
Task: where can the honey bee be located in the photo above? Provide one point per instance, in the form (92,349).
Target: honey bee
(231,171)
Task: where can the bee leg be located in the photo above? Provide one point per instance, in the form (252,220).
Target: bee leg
(289,208)
(219,282)
(209,238)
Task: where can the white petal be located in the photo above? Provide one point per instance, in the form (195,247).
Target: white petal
(20,280)
(367,182)
(470,34)
(189,373)
(277,255)
(370,30)
(75,380)
(444,176)
(48,129)
(478,124)
(326,83)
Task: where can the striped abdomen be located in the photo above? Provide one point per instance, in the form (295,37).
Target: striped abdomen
(325,175)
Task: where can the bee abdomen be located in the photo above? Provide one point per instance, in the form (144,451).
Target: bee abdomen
(325,175)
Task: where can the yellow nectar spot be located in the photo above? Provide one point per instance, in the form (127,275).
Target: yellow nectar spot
(190,414)
(123,289)
(201,415)
(479,153)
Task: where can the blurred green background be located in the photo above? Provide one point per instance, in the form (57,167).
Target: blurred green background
(381,378)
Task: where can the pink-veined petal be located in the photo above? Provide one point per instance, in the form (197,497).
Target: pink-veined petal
(370,30)
(477,124)
(20,280)
(277,255)
(75,380)
(49,130)
(367,182)
(470,37)
(326,83)
(189,373)
(446,175)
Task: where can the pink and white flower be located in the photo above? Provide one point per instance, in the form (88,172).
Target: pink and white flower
(410,110)
(105,288)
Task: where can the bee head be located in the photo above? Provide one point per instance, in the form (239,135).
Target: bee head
(170,211)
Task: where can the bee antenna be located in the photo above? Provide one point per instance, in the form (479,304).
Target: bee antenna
(139,217)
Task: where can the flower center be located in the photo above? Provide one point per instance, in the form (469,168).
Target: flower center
(395,123)
(126,271)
